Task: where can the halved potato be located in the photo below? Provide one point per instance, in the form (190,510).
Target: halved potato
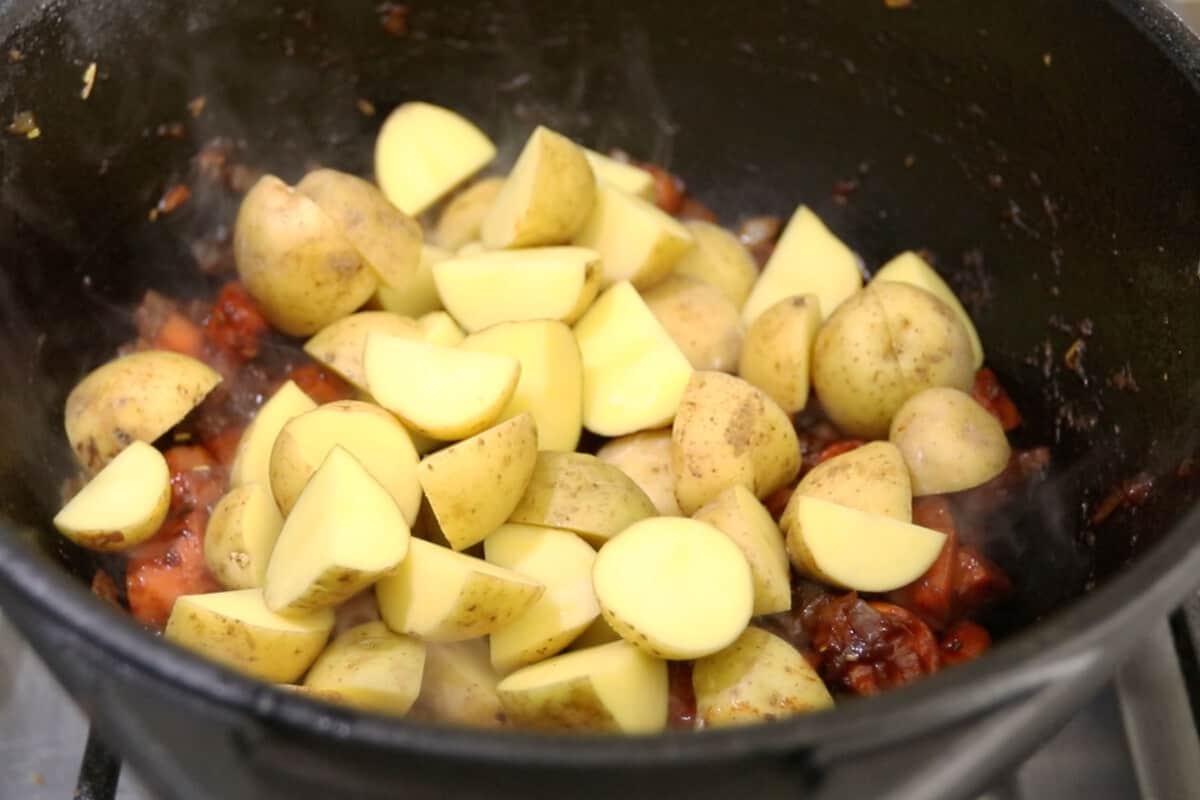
(700,319)
(621,175)
(460,219)
(637,241)
(340,345)
(872,478)
(777,351)
(123,505)
(370,667)
(948,441)
(240,536)
(910,268)
(343,533)
(646,458)
(443,392)
(611,688)
(238,630)
(459,685)
(438,327)
(719,260)
(252,462)
(416,296)
(738,514)
(137,397)
(443,596)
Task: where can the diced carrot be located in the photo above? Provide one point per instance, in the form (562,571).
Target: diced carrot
(777,500)
(838,448)
(166,567)
(197,480)
(320,384)
(223,446)
(988,392)
(180,334)
(668,188)
(235,324)
(694,209)
(964,641)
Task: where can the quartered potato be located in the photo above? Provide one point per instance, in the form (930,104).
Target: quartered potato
(240,536)
(438,327)
(626,177)
(872,478)
(462,217)
(646,458)
(459,685)
(738,514)
(637,241)
(123,505)
(340,345)
(416,296)
(252,461)
(777,350)
(949,442)
(910,268)
(703,323)
(719,260)
(371,668)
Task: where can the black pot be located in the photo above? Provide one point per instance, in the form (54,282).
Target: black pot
(1044,151)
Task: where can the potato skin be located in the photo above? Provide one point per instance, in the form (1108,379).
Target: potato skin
(646,458)
(459,222)
(949,441)
(777,350)
(721,260)
(871,478)
(704,324)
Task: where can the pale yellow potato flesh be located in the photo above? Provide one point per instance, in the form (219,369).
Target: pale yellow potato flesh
(910,268)
(759,677)
(367,432)
(634,374)
(460,220)
(563,563)
(438,327)
(470,249)
(599,632)
(295,261)
(551,383)
(439,595)
(459,685)
(618,174)
(637,241)
(416,296)
(474,485)
(646,458)
(777,350)
(423,151)
(739,515)
(557,283)
(703,323)
(657,586)
(872,478)
(545,199)
(340,345)
(720,260)
(948,441)
(729,433)
(371,668)
(238,630)
(122,505)
(613,688)
(252,460)
(809,259)
(581,493)
(240,536)
(444,392)
(344,532)
(137,397)
(851,549)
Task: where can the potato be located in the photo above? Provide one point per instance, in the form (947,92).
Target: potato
(633,372)
(240,536)
(563,563)
(474,485)
(238,630)
(646,458)
(851,549)
(546,198)
(459,685)
(438,327)
(614,688)
(738,514)
(513,285)
(368,433)
(703,323)
(637,241)
(581,493)
(777,350)
(295,261)
(728,433)
(416,296)
(676,588)
(252,461)
(620,175)
(551,383)
(910,268)
(343,533)
(443,596)
(137,397)
(871,478)
(459,221)
(719,260)
(808,259)
(471,249)
(443,392)
(598,633)
(387,239)
(759,677)
(949,441)
(123,505)
(340,345)
(423,151)
(371,668)
(880,348)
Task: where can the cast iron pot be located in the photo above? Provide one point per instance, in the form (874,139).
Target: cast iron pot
(1045,152)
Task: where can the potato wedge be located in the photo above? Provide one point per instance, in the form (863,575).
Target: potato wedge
(123,505)
(238,630)
(646,458)
(729,433)
(634,374)
(808,259)
(581,493)
(637,241)
(252,461)
(719,260)
(598,633)
(340,345)
(459,685)
(551,383)
(910,268)
(777,351)
(948,441)
(482,290)
(563,563)
(438,327)
(759,677)
(620,175)
(474,485)
(738,514)
(423,151)
(703,323)
(240,536)
(443,596)
(871,478)
(655,582)
(460,220)
(138,397)
(546,198)
(443,392)
(851,549)
(344,532)
(371,668)
(613,688)
(416,296)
